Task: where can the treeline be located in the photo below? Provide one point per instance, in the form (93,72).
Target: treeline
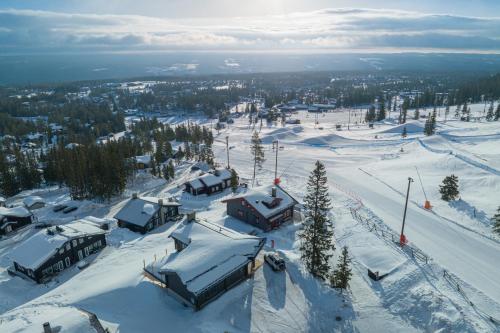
(18,172)
(91,171)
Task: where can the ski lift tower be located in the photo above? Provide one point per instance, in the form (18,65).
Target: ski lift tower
(402,237)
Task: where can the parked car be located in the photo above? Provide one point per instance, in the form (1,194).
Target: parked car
(43,225)
(69,209)
(58,208)
(275,261)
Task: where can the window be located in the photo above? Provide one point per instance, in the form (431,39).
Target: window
(60,266)
(75,242)
(68,246)
(86,251)
(8,229)
(61,250)
(99,243)
(67,261)
(80,241)
(240,213)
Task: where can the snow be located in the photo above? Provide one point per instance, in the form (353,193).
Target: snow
(212,253)
(17,211)
(137,211)
(31,200)
(37,249)
(257,197)
(144,159)
(365,173)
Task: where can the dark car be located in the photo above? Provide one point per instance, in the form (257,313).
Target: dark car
(43,225)
(58,208)
(69,209)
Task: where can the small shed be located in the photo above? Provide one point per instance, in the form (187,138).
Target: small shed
(34,202)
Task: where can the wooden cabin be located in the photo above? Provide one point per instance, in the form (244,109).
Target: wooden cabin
(143,214)
(14,218)
(265,208)
(209,183)
(52,250)
(210,260)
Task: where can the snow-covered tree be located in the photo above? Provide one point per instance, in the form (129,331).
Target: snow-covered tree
(496,222)
(430,124)
(497,113)
(342,274)
(257,152)
(316,238)
(404,134)
(416,115)
(449,189)
(234,180)
(381,111)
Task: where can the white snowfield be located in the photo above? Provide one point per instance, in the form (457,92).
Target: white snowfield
(368,165)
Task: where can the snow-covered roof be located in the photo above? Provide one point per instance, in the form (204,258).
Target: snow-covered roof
(213,252)
(165,201)
(18,211)
(2,199)
(137,211)
(31,200)
(144,159)
(267,205)
(223,173)
(33,252)
(196,184)
(210,180)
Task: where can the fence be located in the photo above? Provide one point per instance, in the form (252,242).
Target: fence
(389,235)
(417,254)
(456,285)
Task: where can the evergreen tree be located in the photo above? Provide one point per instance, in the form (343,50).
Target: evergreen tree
(405,133)
(342,274)
(257,152)
(416,115)
(371,115)
(316,239)
(496,222)
(381,111)
(234,180)
(171,169)
(490,115)
(449,189)
(497,113)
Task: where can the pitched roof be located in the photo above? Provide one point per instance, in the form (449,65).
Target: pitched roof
(213,252)
(33,252)
(211,179)
(261,200)
(31,200)
(18,211)
(137,211)
(145,159)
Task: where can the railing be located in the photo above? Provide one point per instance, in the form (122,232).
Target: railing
(389,235)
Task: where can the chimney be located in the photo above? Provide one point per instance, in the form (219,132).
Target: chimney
(47,328)
(191,217)
(134,195)
(273,192)
(160,202)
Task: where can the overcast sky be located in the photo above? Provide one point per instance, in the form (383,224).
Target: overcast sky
(36,26)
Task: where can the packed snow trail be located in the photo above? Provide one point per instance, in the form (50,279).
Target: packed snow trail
(473,258)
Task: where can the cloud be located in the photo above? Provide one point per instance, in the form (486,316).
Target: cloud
(329,29)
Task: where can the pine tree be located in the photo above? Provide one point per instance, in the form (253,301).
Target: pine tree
(371,115)
(405,133)
(316,239)
(342,274)
(490,114)
(416,115)
(449,189)
(234,180)
(496,222)
(497,113)
(381,111)
(257,152)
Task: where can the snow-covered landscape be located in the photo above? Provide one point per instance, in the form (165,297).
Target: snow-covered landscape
(446,279)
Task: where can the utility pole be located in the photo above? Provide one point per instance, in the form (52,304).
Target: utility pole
(227,150)
(276,147)
(402,237)
(349,121)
